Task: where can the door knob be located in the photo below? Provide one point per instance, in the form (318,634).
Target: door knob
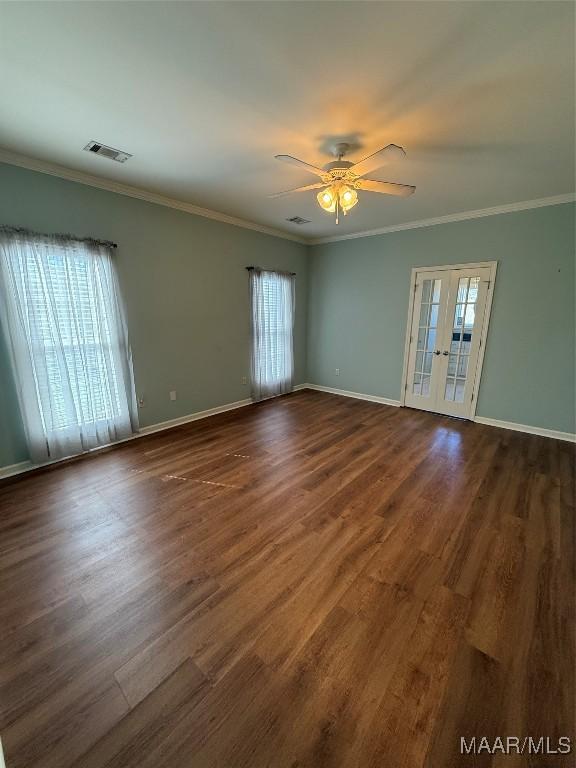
(437,352)
(445,352)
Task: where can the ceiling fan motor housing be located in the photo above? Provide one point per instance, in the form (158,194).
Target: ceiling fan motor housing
(337,164)
(339,170)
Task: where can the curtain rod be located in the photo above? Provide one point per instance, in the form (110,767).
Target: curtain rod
(24,231)
(271,270)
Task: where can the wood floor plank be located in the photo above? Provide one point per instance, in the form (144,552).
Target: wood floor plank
(145,731)
(311,582)
(472,710)
(49,741)
(414,698)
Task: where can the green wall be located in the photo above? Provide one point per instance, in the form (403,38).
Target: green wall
(358,305)
(185,288)
(186,293)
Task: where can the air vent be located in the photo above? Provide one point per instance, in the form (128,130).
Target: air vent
(109,152)
(298,220)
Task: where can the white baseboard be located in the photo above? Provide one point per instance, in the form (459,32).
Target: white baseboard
(553,433)
(190,417)
(14,469)
(200,415)
(356,395)
(26,466)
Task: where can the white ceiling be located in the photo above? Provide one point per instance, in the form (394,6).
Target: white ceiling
(204,94)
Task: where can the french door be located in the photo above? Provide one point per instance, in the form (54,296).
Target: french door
(448,325)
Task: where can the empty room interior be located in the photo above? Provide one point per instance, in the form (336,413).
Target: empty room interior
(287,384)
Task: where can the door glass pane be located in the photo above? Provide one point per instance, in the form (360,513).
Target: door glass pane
(428,322)
(462,333)
(425,386)
(462,289)
(473,290)
(424,315)
(459,316)
(469,317)
(421,338)
(459,390)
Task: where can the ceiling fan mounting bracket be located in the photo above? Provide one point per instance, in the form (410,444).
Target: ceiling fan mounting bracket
(341,149)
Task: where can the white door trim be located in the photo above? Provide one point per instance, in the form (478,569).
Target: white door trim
(483,335)
(492,265)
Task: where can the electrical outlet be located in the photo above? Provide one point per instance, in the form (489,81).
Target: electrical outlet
(173,395)
(244,380)
(337,371)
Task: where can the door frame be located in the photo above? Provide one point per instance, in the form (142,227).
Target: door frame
(492,265)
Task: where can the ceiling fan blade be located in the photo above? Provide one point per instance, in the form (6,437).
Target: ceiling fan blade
(386,187)
(300,164)
(299,189)
(370,163)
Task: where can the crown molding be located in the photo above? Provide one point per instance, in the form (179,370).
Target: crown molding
(41,166)
(62,172)
(452,217)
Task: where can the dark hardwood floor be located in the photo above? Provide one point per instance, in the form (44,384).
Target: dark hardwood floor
(313,581)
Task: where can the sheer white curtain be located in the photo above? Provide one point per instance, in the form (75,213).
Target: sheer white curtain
(65,328)
(272,356)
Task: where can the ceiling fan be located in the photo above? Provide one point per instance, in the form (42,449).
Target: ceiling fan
(341,179)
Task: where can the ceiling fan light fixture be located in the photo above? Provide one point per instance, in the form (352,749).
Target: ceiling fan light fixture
(348,198)
(340,179)
(337,197)
(327,199)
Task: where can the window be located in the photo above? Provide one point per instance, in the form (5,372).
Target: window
(272,359)
(83,340)
(66,332)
